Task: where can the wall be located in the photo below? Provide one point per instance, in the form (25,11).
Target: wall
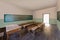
(58,9)
(58,5)
(38,15)
(7,8)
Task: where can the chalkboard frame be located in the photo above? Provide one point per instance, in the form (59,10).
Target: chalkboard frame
(14,17)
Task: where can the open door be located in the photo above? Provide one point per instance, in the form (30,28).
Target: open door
(46,19)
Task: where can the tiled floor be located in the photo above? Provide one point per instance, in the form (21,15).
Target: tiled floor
(39,36)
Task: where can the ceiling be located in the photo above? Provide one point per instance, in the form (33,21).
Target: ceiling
(33,4)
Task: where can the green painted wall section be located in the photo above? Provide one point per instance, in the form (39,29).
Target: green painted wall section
(58,24)
(2,24)
(38,20)
(52,21)
(16,22)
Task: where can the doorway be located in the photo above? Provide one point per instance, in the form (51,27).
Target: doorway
(46,19)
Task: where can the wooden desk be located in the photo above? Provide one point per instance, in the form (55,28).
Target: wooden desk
(20,32)
(30,27)
(33,26)
(11,32)
(3,33)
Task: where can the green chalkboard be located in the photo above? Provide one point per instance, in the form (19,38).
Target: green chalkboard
(12,17)
(58,15)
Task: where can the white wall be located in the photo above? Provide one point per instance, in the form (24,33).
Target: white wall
(58,5)
(58,9)
(6,8)
(38,15)
(51,11)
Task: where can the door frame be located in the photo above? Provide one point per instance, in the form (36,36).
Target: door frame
(43,17)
